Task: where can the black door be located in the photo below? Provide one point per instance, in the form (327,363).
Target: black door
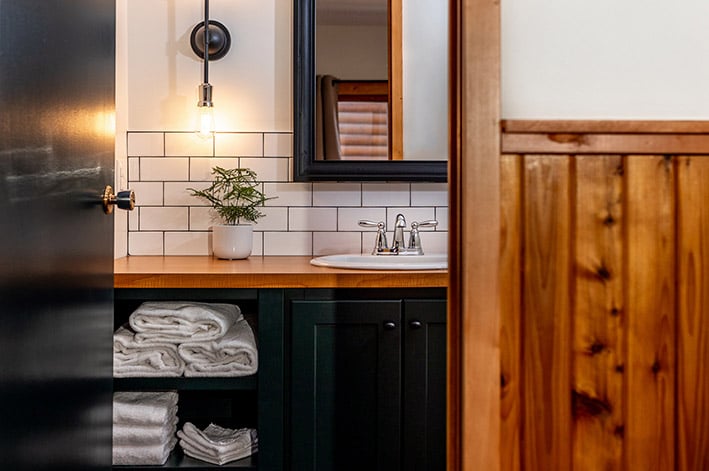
(56,245)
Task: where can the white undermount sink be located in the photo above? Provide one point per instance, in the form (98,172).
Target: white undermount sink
(383,262)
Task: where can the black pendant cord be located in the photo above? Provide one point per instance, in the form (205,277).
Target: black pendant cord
(206,41)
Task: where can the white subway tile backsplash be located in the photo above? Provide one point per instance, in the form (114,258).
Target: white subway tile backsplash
(146,144)
(329,243)
(275,219)
(312,219)
(201,218)
(163,169)
(257,249)
(188,144)
(147,193)
(239,144)
(305,218)
(201,168)
(434,242)
(133,219)
(337,194)
(287,243)
(164,219)
(429,194)
(348,218)
(186,243)
(268,169)
(442,218)
(145,243)
(177,193)
(133,168)
(289,194)
(386,194)
(411,214)
(278,145)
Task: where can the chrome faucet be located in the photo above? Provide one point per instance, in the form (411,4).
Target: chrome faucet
(398,247)
(398,241)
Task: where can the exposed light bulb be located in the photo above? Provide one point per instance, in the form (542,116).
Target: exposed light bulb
(206,121)
(206,111)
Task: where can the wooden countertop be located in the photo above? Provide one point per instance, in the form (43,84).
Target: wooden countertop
(260,272)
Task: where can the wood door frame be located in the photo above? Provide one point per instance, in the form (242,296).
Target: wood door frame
(474,238)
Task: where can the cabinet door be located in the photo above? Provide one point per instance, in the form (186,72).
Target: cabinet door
(346,386)
(424,430)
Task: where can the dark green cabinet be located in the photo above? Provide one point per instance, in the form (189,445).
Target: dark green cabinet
(424,389)
(368,382)
(349,379)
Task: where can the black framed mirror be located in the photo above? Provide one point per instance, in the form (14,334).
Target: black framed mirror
(306,166)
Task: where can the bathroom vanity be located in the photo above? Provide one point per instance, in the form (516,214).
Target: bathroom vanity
(352,363)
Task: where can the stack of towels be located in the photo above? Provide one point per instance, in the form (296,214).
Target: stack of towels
(190,338)
(218,445)
(144,426)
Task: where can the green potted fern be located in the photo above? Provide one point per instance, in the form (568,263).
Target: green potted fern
(236,197)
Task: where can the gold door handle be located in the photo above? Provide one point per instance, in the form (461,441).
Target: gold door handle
(123,199)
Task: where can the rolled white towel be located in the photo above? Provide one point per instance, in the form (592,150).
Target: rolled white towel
(144,359)
(144,407)
(235,354)
(176,322)
(144,435)
(217,445)
(143,455)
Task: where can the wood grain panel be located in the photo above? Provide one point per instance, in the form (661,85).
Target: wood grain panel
(510,311)
(474,185)
(396,80)
(605,126)
(597,400)
(546,318)
(693,310)
(258,272)
(580,143)
(650,313)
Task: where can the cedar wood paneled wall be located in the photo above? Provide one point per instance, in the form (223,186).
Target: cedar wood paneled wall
(605,296)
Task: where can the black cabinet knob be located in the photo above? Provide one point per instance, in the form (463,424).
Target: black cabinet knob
(389,325)
(415,324)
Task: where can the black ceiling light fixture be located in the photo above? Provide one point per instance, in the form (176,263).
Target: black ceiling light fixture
(209,40)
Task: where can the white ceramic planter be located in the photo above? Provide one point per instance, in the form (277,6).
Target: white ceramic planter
(232,242)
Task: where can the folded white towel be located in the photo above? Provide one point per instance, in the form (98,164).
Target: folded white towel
(176,322)
(235,354)
(217,445)
(144,407)
(221,459)
(143,455)
(144,435)
(144,359)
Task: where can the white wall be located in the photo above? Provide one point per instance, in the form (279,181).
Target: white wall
(252,84)
(627,59)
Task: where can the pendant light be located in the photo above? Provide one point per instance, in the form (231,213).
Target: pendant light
(209,40)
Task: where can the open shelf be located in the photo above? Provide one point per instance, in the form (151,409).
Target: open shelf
(178,460)
(242,383)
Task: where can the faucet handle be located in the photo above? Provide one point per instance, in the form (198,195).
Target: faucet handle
(370,223)
(415,238)
(429,223)
(380,243)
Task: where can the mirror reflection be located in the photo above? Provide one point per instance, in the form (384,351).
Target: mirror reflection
(381,89)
